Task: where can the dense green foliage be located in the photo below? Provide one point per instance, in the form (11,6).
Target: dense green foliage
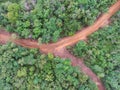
(23,69)
(14,1)
(48,20)
(102,53)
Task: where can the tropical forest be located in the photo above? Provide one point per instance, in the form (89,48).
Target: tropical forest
(59,44)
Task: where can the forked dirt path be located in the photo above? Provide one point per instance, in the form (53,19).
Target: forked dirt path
(59,48)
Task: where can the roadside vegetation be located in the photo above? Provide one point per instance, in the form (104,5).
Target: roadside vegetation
(27,69)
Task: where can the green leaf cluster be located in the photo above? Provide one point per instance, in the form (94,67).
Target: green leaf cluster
(13,12)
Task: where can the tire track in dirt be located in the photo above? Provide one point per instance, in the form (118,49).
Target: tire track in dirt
(58,48)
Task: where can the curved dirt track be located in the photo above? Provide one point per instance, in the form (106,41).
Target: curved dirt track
(83,33)
(59,48)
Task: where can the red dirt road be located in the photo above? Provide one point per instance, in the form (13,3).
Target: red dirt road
(4,36)
(59,48)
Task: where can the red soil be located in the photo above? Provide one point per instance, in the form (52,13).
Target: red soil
(4,36)
(59,48)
